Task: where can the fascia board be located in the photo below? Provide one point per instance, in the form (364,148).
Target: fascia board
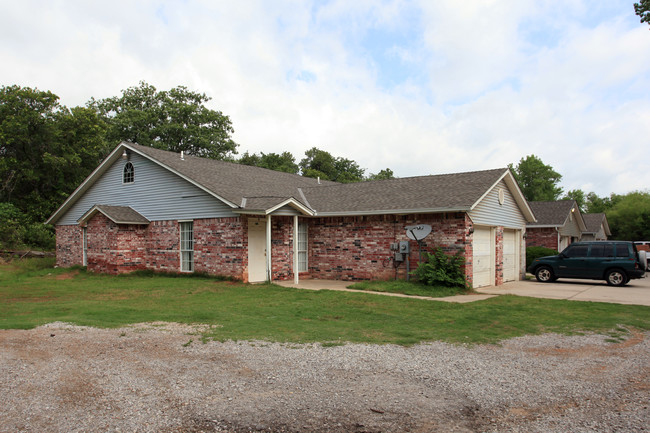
(182,176)
(543,226)
(293,203)
(392,212)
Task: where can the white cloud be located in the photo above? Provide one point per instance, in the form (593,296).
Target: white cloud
(485,83)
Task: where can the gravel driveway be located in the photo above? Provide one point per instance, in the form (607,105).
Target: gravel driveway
(151,378)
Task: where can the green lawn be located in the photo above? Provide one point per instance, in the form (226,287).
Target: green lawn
(33,293)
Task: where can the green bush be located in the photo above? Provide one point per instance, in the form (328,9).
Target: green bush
(440,269)
(12,227)
(533,253)
(40,235)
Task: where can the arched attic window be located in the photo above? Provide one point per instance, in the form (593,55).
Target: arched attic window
(128,175)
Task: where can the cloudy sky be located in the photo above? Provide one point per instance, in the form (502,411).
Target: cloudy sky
(421,87)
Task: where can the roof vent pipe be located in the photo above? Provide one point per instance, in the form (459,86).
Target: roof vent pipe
(182,156)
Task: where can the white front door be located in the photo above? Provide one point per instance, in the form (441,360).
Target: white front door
(256,250)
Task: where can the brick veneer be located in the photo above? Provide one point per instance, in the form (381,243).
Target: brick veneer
(542,237)
(345,248)
(69,248)
(358,248)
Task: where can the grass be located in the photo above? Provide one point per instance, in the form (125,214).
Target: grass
(33,293)
(409,288)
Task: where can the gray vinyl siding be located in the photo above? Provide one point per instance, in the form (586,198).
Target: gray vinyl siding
(157,193)
(287,211)
(490,213)
(571,228)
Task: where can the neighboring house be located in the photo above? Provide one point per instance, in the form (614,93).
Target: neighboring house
(559,223)
(145,208)
(597,227)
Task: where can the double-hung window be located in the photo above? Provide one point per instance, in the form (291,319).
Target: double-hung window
(187,246)
(302,247)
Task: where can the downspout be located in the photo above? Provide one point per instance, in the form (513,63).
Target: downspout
(268,249)
(295,249)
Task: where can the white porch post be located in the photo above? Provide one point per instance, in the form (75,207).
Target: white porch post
(269,272)
(295,249)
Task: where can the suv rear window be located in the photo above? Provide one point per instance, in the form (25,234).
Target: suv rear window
(622,250)
(602,250)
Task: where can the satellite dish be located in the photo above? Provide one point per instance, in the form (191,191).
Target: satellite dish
(418,232)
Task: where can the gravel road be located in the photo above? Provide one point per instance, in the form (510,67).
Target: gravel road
(152,378)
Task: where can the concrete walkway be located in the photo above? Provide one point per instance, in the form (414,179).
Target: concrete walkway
(636,292)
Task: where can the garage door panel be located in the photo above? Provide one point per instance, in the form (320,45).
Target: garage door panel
(483,258)
(510,262)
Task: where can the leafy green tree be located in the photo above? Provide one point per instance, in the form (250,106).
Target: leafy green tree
(175,120)
(384,174)
(642,9)
(279,162)
(579,196)
(47,149)
(319,163)
(538,181)
(629,216)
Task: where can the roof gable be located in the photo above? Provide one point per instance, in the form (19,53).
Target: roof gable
(556,213)
(595,221)
(117,214)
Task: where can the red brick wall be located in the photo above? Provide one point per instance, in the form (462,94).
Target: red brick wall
(542,237)
(69,246)
(219,246)
(358,248)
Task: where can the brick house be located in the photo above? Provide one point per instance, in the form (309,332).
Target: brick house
(559,223)
(145,208)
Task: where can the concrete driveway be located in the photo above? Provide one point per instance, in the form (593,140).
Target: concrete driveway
(635,292)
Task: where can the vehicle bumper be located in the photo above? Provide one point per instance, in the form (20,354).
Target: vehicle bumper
(636,274)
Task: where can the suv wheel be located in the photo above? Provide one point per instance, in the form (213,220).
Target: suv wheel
(544,274)
(616,277)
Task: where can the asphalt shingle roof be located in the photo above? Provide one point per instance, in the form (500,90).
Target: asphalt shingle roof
(551,213)
(593,221)
(457,191)
(263,188)
(118,214)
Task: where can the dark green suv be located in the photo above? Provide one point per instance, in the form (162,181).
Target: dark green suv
(616,262)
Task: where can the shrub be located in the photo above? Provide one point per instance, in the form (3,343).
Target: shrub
(40,235)
(440,269)
(533,253)
(12,227)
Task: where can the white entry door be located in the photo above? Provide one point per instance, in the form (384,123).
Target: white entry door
(483,274)
(256,250)
(510,255)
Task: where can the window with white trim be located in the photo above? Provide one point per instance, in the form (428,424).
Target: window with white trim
(187,246)
(302,247)
(128,176)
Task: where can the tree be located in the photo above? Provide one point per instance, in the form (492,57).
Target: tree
(279,162)
(319,163)
(538,181)
(47,149)
(175,120)
(579,196)
(629,216)
(384,174)
(642,9)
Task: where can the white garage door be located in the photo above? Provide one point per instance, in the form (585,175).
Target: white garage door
(510,262)
(483,258)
